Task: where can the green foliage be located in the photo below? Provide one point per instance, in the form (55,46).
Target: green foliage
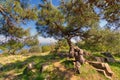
(61,45)
(101,40)
(35,49)
(67,20)
(13,45)
(46,48)
(23,51)
(68,64)
(116,69)
(31,41)
(5,53)
(108,10)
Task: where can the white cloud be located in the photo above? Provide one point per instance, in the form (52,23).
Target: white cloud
(2,38)
(46,40)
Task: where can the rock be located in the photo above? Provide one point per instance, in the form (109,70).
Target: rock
(62,55)
(30,67)
(110,59)
(44,67)
(100,59)
(107,54)
(103,68)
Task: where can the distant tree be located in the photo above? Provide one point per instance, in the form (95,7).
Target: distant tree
(35,49)
(71,18)
(14,44)
(102,40)
(61,45)
(31,40)
(46,48)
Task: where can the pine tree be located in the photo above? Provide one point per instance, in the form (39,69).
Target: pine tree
(70,19)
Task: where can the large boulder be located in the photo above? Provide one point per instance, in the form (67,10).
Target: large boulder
(103,68)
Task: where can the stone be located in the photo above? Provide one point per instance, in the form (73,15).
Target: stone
(79,58)
(44,67)
(62,55)
(103,68)
(110,59)
(100,59)
(30,67)
(107,54)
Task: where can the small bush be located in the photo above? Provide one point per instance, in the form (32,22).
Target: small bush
(23,51)
(35,49)
(46,48)
(5,53)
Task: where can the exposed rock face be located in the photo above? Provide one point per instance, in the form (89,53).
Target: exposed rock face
(103,68)
(44,67)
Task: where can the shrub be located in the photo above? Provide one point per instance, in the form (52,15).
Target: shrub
(35,49)
(5,53)
(23,51)
(46,48)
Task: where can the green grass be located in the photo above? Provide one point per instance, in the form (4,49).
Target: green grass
(16,65)
(116,69)
(89,73)
(68,63)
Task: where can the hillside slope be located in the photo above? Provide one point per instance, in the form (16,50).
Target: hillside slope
(59,68)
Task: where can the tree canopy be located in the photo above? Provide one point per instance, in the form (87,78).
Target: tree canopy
(69,19)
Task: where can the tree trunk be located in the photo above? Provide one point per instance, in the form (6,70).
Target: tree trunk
(77,53)
(71,48)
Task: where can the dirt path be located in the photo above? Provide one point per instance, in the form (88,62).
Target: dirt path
(70,75)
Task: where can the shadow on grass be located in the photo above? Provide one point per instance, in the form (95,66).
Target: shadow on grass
(68,64)
(20,65)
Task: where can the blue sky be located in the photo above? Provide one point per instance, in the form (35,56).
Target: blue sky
(32,24)
(54,2)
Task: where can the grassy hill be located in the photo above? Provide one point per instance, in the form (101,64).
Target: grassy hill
(59,68)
